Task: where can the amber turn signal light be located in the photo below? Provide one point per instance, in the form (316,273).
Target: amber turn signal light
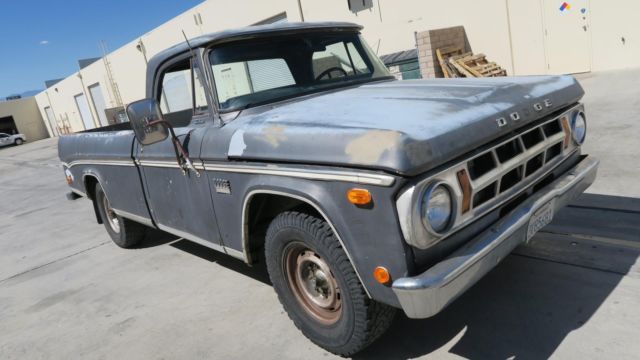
(381,274)
(359,196)
(567,131)
(465,185)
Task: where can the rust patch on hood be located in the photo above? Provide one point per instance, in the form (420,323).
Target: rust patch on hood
(369,148)
(274,135)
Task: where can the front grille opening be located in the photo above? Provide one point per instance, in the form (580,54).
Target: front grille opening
(532,138)
(481,165)
(544,182)
(510,179)
(554,151)
(508,150)
(552,128)
(534,164)
(513,204)
(484,195)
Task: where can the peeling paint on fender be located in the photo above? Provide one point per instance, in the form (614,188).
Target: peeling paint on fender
(236,144)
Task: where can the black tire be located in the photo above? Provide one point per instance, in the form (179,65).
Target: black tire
(360,321)
(18,141)
(127,233)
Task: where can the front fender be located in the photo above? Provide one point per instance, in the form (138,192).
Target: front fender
(370,236)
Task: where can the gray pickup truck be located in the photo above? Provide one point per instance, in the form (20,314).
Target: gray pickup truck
(292,144)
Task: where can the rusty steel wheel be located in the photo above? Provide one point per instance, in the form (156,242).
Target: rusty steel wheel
(111,216)
(313,283)
(318,286)
(124,232)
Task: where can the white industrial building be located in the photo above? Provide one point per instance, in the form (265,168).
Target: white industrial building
(523,36)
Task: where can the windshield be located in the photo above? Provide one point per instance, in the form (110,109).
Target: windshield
(251,73)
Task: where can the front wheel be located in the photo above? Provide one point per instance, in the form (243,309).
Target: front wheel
(19,141)
(318,286)
(124,232)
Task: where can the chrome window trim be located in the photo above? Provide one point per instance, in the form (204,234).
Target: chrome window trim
(409,200)
(245,227)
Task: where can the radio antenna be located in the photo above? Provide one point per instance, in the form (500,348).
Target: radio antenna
(188,43)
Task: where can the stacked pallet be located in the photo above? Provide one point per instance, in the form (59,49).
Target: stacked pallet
(454,62)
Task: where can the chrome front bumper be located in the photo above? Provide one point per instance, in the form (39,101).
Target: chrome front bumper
(427,294)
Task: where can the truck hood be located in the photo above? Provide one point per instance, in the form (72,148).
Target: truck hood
(404,127)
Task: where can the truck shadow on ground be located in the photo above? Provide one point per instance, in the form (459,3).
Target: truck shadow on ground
(257,271)
(526,306)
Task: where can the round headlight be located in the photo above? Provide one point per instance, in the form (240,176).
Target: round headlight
(437,208)
(579,127)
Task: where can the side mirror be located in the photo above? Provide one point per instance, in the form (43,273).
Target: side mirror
(147,121)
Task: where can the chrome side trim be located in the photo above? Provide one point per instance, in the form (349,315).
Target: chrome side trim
(81,193)
(311,174)
(137,218)
(203,242)
(158,163)
(99,162)
(245,227)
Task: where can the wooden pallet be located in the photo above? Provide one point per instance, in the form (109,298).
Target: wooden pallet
(455,63)
(443,54)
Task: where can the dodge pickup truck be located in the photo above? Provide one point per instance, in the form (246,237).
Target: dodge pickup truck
(292,144)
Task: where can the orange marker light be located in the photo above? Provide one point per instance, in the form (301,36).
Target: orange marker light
(359,196)
(567,131)
(465,185)
(381,274)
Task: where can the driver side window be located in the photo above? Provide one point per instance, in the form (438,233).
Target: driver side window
(341,58)
(182,94)
(247,77)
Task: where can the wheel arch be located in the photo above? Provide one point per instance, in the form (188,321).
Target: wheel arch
(258,220)
(89,181)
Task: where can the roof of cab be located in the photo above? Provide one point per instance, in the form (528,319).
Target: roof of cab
(249,31)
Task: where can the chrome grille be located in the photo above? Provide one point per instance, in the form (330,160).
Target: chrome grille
(509,163)
(491,178)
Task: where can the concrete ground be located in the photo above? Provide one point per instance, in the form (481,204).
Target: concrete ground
(67,292)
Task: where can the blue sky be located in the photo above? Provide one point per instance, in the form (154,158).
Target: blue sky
(43,39)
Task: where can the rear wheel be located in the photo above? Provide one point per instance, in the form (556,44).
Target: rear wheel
(18,141)
(318,286)
(124,232)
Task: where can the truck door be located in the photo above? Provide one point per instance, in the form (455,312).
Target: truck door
(180,202)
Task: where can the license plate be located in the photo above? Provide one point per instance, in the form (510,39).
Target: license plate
(540,219)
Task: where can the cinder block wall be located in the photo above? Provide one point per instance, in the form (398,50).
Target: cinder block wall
(430,40)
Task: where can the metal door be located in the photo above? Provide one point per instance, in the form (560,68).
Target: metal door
(52,120)
(567,36)
(98,103)
(83,109)
(180,202)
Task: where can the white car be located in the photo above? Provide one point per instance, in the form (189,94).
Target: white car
(17,139)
